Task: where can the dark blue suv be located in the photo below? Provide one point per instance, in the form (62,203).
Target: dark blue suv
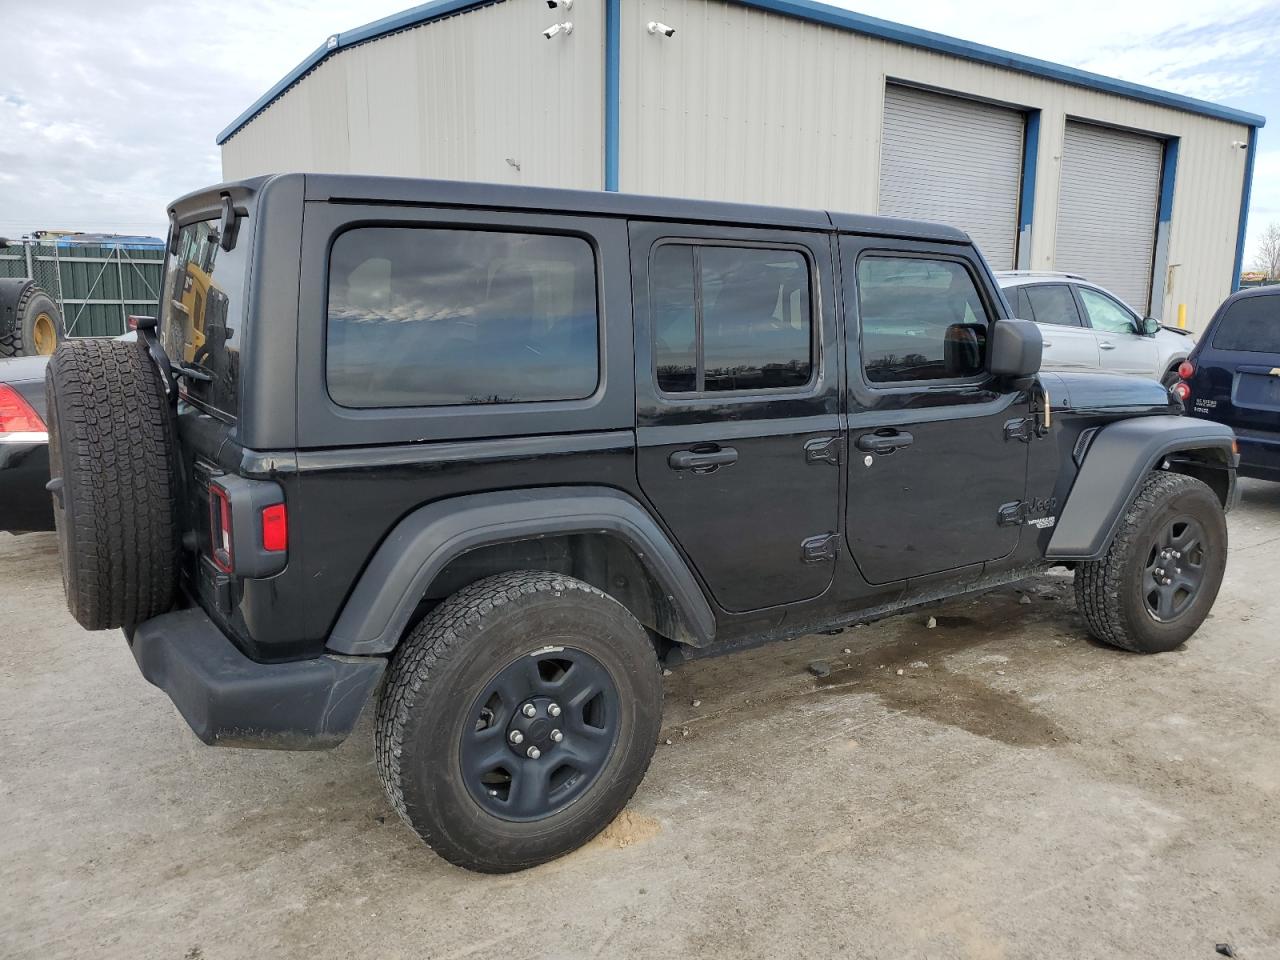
(1233,376)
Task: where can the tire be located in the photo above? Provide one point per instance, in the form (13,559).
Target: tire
(37,326)
(473,662)
(1123,597)
(112,460)
(1170,377)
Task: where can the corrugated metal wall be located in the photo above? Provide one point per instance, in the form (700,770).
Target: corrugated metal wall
(753,106)
(739,105)
(455,99)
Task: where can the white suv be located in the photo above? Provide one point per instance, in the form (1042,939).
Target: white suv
(1087,326)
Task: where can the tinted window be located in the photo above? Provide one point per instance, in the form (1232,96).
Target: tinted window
(1022,304)
(1105,314)
(921,320)
(432,317)
(1053,303)
(201,312)
(747,308)
(1251,324)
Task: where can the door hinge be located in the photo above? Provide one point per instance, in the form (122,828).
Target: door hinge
(823,450)
(1023,428)
(819,549)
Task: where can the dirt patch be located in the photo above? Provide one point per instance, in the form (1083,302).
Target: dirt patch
(628,829)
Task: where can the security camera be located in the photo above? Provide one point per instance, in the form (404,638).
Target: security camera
(662,28)
(562,4)
(557,28)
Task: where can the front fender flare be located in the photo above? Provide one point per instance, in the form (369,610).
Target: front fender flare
(1119,457)
(425,541)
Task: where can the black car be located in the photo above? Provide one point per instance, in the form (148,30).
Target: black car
(24,447)
(499,454)
(1233,377)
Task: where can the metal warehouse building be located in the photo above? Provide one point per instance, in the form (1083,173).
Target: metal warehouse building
(783,102)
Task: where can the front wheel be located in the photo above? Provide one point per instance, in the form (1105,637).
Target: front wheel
(518,719)
(1161,574)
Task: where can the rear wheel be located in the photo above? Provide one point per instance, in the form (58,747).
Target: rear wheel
(517,720)
(111,450)
(37,329)
(1170,377)
(1162,572)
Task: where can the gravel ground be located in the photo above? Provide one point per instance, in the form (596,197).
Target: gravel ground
(997,786)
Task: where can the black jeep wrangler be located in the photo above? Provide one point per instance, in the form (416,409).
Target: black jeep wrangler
(494,455)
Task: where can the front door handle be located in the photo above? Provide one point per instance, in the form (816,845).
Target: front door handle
(702,461)
(1106,345)
(885,441)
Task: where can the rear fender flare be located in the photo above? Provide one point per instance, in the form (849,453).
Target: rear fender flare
(424,542)
(1118,458)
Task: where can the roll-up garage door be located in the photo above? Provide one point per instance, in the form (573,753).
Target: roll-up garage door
(1107,202)
(953,161)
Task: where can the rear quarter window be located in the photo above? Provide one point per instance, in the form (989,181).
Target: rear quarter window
(1250,325)
(427,317)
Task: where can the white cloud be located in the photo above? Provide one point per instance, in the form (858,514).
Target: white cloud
(113,112)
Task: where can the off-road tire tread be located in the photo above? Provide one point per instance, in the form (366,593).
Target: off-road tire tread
(110,418)
(1098,582)
(457,621)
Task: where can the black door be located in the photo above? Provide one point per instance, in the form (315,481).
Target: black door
(737,405)
(934,446)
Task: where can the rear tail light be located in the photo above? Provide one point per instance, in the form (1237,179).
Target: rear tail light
(18,421)
(275,528)
(1181,390)
(221,547)
(1186,369)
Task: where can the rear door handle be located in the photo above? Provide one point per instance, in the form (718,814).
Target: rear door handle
(1106,345)
(702,461)
(886,442)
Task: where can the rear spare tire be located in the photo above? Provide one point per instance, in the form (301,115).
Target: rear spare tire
(112,462)
(37,326)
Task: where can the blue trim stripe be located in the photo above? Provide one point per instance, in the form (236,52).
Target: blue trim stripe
(1168,175)
(612,85)
(1246,193)
(928,40)
(1030,156)
(800,9)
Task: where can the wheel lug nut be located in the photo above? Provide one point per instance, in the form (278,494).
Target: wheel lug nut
(557,736)
(553,710)
(517,736)
(533,753)
(529,710)
(1167,581)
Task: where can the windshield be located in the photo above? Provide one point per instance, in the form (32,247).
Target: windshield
(202,312)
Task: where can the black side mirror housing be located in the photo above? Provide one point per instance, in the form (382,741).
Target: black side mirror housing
(1016,349)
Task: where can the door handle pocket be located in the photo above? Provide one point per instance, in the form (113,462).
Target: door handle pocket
(884,441)
(702,461)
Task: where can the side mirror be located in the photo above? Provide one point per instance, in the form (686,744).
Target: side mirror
(1149,326)
(1016,349)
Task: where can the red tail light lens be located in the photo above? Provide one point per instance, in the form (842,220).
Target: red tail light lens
(16,415)
(1186,369)
(220,546)
(275,528)
(1181,390)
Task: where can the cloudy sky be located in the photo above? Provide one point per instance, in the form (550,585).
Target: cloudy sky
(109,110)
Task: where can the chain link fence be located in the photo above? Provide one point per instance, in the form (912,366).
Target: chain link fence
(96,286)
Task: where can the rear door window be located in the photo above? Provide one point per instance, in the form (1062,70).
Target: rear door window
(730,318)
(921,319)
(424,317)
(1053,303)
(1250,325)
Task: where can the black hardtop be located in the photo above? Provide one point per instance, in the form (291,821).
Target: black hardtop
(352,188)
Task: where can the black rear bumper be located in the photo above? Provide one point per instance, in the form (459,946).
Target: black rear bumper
(230,700)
